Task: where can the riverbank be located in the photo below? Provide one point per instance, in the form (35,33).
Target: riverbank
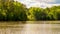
(28,22)
(43,22)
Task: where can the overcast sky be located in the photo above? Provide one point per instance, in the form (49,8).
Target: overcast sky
(40,3)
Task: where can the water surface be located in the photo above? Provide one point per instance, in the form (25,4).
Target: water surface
(30,27)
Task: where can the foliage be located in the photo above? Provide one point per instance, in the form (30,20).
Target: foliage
(12,11)
(36,13)
(16,11)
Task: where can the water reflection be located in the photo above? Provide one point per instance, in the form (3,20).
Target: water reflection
(29,27)
(42,29)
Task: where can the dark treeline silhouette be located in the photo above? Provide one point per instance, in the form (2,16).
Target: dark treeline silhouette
(16,11)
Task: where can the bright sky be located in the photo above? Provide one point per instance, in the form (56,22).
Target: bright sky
(40,3)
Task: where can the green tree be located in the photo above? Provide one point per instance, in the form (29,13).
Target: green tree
(11,10)
(19,11)
(36,13)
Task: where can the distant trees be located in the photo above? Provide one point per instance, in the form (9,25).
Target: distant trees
(20,11)
(12,11)
(16,11)
(53,13)
(36,13)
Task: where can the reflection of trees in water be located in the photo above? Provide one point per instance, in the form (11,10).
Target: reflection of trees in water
(20,27)
(24,22)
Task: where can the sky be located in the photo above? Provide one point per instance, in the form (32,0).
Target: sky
(40,3)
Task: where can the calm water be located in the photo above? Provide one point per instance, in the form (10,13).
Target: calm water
(19,28)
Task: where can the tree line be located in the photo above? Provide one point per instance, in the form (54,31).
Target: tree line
(16,11)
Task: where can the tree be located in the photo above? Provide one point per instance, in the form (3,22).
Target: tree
(36,13)
(19,11)
(11,11)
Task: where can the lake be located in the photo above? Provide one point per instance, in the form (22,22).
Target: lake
(30,27)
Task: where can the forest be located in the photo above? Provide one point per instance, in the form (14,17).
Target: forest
(16,11)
